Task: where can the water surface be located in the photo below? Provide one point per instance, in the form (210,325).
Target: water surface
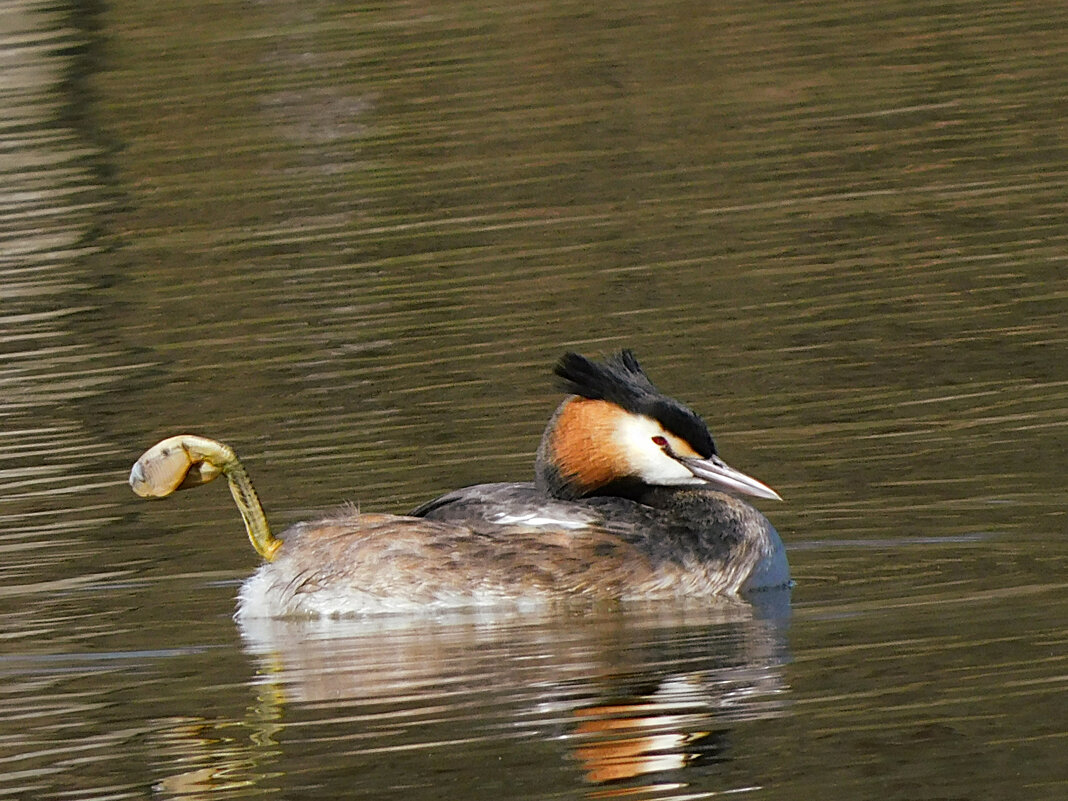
(352,240)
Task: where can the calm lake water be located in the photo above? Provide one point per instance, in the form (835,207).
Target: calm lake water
(351,241)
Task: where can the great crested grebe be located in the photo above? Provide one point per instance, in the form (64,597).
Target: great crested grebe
(622,509)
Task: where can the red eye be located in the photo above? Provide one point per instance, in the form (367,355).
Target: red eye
(660,442)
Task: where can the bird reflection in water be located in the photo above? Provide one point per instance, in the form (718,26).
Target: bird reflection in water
(629,705)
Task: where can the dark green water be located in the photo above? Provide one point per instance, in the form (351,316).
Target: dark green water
(352,240)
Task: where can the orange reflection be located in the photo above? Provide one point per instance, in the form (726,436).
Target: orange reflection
(634,741)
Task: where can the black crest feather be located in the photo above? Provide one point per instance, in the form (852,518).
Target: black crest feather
(619,379)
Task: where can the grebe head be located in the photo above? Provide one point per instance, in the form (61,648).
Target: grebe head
(618,431)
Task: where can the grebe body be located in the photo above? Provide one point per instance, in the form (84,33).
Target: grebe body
(353,563)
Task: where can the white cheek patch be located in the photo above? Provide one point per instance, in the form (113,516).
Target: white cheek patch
(647,460)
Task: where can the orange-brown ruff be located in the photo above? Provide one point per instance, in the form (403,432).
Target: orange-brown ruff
(622,510)
(581,441)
